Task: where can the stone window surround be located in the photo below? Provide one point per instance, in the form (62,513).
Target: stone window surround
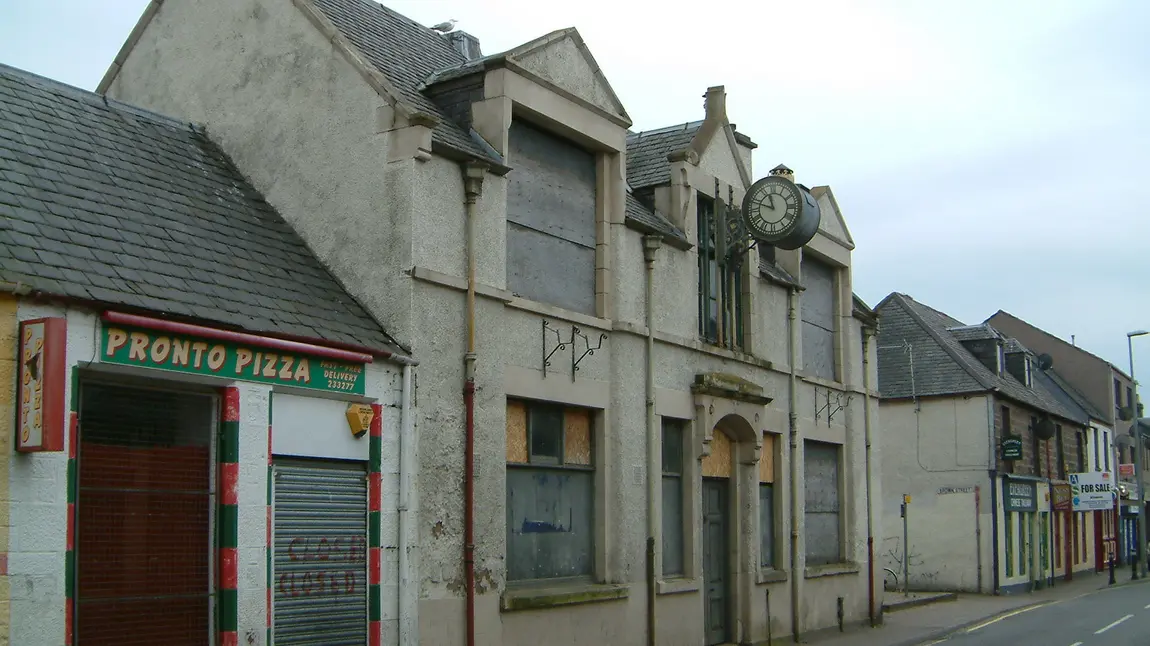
(514,93)
(843,310)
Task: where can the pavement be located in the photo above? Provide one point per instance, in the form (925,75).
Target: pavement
(1084,612)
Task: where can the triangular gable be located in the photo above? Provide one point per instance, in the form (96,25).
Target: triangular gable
(720,159)
(564,59)
(832,224)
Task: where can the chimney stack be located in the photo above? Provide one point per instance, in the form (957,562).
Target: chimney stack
(465,44)
(715,103)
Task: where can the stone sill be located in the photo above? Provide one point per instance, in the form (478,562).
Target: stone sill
(770,576)
(832,569)
(676,586)
(534,598)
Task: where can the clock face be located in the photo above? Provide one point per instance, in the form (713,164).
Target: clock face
(772,207)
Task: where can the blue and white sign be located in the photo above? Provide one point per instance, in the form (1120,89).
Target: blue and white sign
(1091,491)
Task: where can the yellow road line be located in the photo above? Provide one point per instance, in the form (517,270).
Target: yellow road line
(1007,616)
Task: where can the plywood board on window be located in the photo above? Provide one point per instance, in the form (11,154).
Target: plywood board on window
(767,458)
(516,432)
(577,436)
(718,463)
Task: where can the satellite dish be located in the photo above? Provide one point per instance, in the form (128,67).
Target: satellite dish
(1045,429)
(1045,361)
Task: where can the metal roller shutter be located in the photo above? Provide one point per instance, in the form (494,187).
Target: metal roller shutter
(143,540)
(320,553)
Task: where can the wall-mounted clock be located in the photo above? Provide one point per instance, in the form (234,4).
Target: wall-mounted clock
(780,212)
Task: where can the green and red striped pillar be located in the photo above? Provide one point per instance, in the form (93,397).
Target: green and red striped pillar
(73,485)
(374,506)
(268,551)
(227,525)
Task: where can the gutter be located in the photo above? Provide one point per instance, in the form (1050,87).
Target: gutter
(651,244)
(793,426)
(408,585)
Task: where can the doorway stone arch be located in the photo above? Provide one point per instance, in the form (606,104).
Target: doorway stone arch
(730,414)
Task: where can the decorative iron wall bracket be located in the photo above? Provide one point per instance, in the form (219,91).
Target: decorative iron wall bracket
(560,343)
(830,407)
(588,350)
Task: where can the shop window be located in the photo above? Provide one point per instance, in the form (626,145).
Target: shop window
(550,482)
(721,298)
(551,206)
(1024,545)
(673,495)
(818,318)
(767,503)
(823,522)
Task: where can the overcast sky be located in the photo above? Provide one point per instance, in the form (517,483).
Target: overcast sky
(987,155)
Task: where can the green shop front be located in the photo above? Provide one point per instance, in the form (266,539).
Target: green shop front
(1024,534)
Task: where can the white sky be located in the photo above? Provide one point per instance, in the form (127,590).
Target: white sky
(986,154)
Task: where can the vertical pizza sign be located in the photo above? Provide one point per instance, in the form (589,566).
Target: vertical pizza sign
(40,385)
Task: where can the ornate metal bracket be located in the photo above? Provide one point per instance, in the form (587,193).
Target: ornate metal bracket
(560,344)
(587,348)
(830,408)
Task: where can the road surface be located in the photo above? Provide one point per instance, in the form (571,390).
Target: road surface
(1110,617)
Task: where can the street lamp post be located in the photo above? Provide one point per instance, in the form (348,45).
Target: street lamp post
(1141,545)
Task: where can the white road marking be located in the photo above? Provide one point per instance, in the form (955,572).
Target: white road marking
(1076,644)
(1007,616)
(1099,632)
(1148,607)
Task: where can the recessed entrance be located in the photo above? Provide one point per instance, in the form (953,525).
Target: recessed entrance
(143,538)
(716,548)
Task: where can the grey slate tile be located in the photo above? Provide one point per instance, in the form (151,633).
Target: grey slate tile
(647,152)
(110,203)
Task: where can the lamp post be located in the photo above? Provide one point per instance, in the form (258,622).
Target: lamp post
(1141,544)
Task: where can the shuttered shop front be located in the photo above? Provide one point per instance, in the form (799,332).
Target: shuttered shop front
(320,553)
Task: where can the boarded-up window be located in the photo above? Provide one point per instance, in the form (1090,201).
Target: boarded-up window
(672,496)
(550,479)
(823,522)
(550,219)
(818,314)
(767,502)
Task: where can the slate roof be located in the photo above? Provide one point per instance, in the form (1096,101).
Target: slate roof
(941,364)
(647,152)
(407,53)
(648,220)
(113,205)
(773,272)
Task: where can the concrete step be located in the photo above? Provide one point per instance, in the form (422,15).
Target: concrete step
(896,601)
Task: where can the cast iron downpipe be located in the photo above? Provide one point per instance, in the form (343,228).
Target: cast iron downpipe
(472,187)
(651,244)
(793,425)
(867,333)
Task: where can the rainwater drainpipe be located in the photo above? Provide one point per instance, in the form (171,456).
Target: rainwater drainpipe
(651,244)
(793,425)
(867,333)
(473,174)
(408,611)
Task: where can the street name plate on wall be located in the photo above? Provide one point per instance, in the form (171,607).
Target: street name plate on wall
(41,379)
(189,354)
(1020,496)
(1091,491)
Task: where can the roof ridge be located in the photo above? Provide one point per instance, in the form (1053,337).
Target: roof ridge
(1053,336)
(665,129)
(74,92)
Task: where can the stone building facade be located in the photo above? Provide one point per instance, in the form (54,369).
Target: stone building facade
(588,377)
